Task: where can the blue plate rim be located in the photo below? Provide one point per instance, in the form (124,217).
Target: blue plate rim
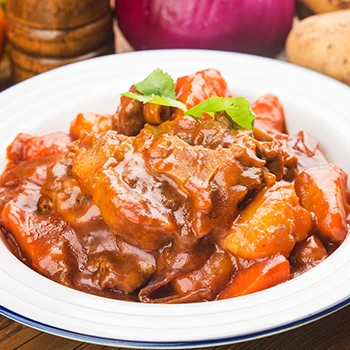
(171,344)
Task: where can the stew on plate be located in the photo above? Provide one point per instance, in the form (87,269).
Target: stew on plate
(154,205)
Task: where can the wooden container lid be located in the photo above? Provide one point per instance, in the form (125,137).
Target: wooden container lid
(56,14)
(61,43)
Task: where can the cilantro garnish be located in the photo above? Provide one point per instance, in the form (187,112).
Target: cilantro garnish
(157,99)
(236,108)
(159,88)
(158,83)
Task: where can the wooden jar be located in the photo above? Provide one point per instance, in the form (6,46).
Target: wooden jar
(45,34)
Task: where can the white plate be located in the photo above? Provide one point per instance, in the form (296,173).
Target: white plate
(50,101)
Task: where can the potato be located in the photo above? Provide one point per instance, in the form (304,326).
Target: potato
(321,6)
(322,43)
(270,224)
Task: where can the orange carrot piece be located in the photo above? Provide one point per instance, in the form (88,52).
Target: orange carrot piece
(90,123)
(25,147)
(323,191)
(13,218)
(260,276)
(46,242)
(269,114)
(195,88)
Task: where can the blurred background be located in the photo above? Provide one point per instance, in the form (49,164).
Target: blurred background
(39,35)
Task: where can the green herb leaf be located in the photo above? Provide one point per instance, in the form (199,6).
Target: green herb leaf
(158,88)
(159,100)
(158,83)
(241,113)
(237,108)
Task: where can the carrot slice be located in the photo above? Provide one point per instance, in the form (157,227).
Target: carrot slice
(194,89)
(260,276)
(323,191)
(269,114)
(13,219)
(46,242)
(25,147)
(90,123)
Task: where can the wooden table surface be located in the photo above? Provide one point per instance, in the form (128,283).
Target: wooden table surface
(329,333)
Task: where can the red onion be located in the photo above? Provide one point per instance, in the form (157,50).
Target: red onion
(250,26)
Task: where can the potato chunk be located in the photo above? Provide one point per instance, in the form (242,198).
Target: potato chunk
(272,223)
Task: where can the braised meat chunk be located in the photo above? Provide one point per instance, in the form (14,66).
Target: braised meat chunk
(156,188)
(132,115)
(108,262)
(197,275)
